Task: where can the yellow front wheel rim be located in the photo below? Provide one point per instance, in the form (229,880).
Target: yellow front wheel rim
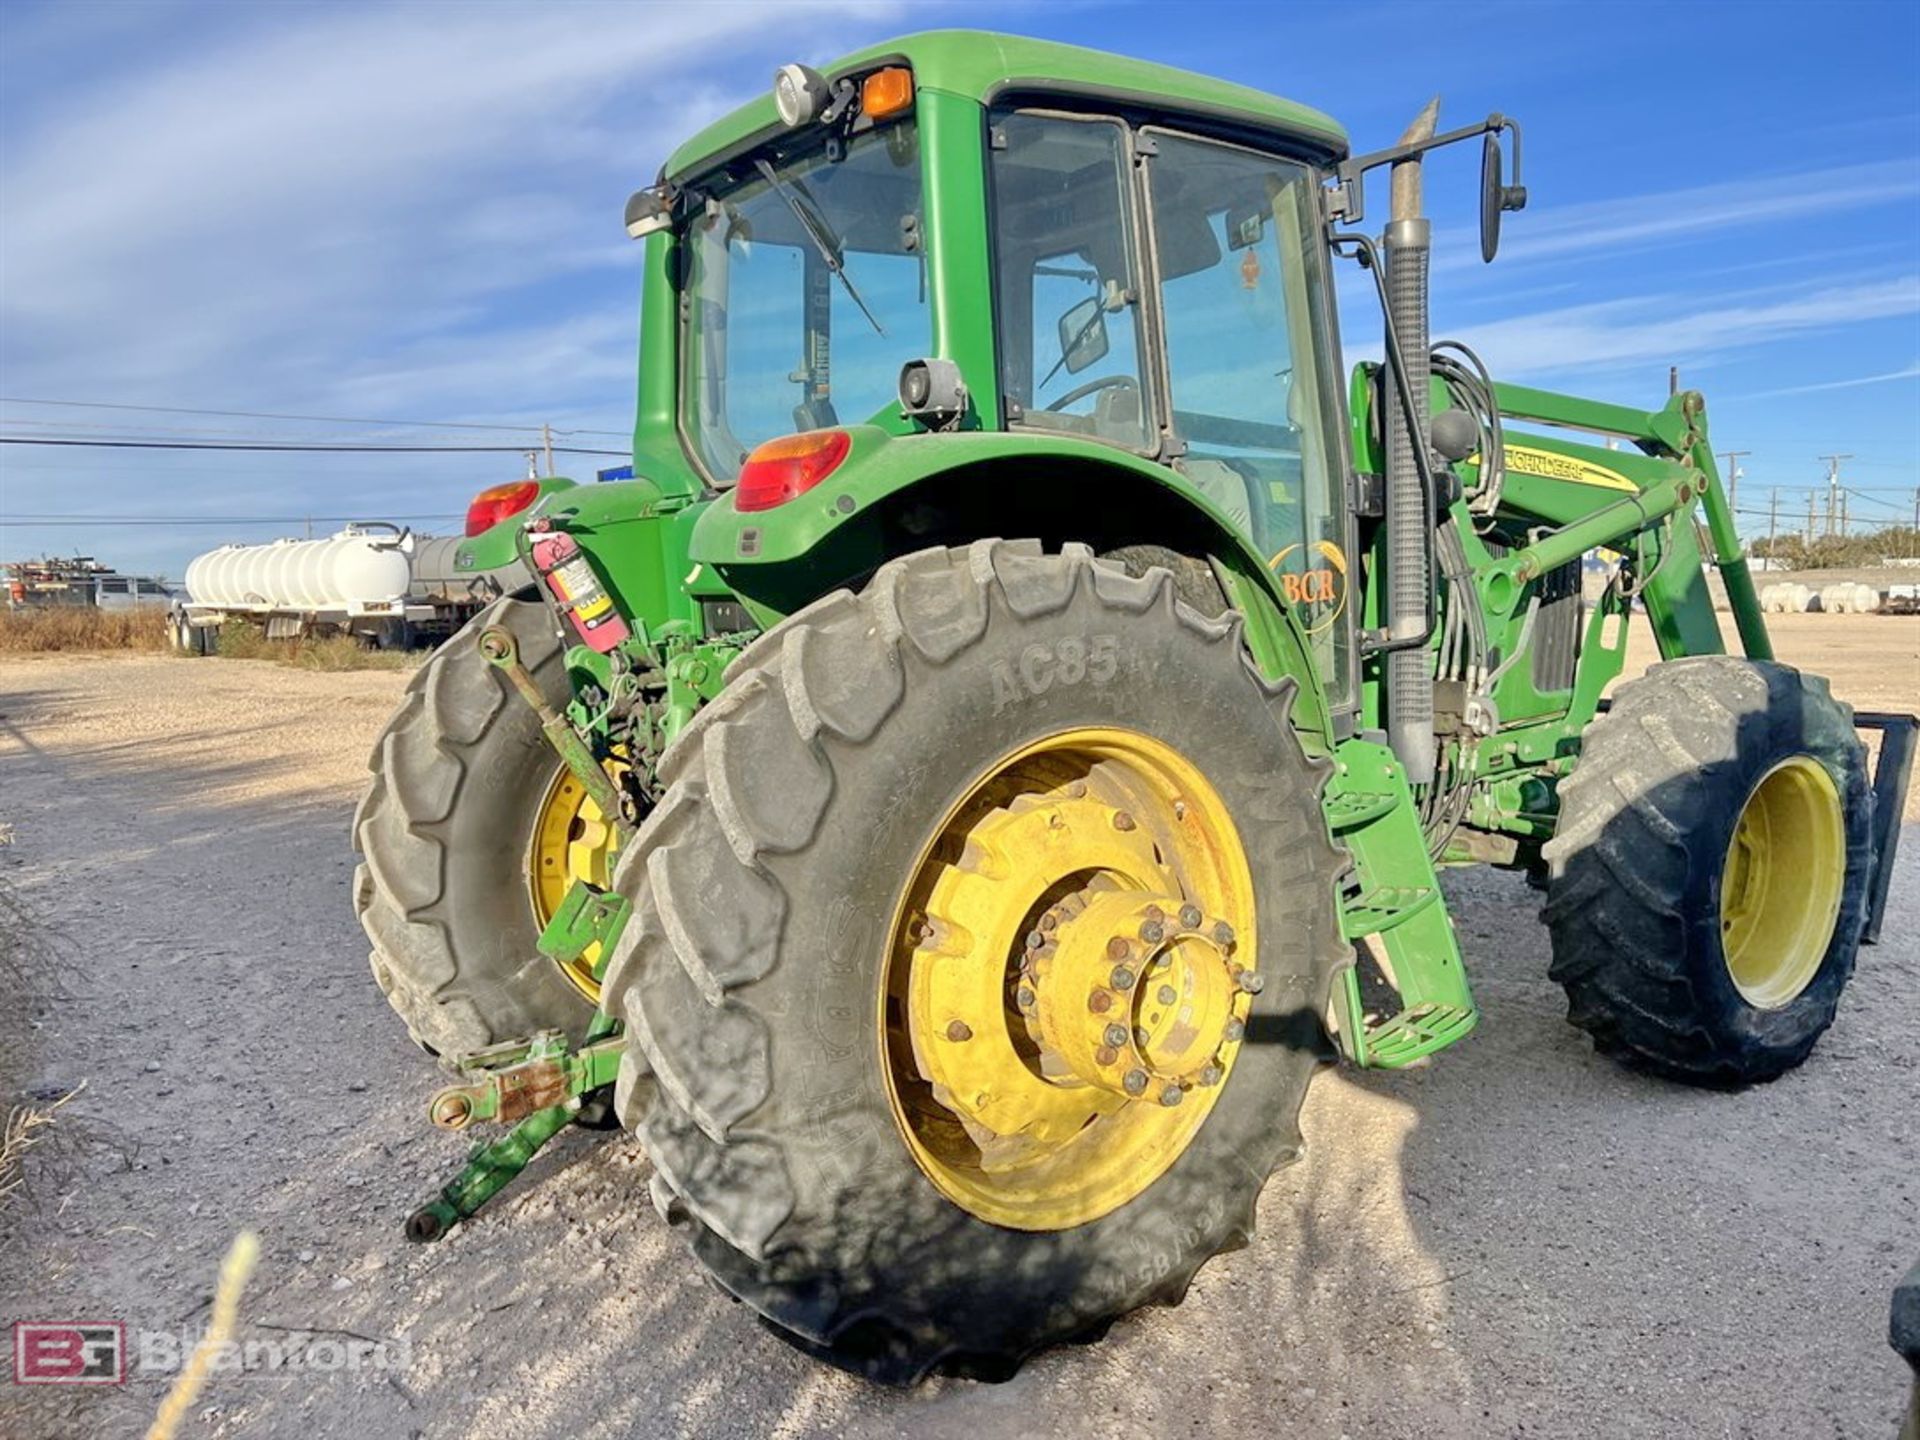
(1782,881)
(1069,974)
(572,841)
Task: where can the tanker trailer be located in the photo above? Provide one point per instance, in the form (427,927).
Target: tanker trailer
(354,582)
(455,595)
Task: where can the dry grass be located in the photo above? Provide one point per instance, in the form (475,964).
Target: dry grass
(242,1256)
(241,641)
(81,627)
(25,1128)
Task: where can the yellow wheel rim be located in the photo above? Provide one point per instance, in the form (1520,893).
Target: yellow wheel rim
(572,841)
(1781,884)
(1069,975)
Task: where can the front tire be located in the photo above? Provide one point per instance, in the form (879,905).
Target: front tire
(781,1072)
(1708,880)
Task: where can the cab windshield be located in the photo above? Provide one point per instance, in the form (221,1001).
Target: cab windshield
(806,293)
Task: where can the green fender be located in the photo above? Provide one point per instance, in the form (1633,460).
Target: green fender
(893,494)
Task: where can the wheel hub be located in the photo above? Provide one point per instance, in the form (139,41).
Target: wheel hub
(572,841)
(1781,883)
(1135,994)
(1071,976)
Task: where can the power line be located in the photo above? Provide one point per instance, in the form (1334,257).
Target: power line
(305,446)
(142,523)
(272,415)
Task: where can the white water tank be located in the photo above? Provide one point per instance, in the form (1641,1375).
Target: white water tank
(436,576)
(347,571)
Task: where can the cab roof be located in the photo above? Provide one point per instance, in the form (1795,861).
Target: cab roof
(980,65)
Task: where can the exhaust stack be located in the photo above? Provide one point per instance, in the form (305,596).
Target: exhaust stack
(1409,244)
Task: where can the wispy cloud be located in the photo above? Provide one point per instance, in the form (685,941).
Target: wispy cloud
(1552,231)
(1908,372)
(283,203)
(1680,328)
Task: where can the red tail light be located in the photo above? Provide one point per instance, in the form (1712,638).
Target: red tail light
(792,465)
(496,503)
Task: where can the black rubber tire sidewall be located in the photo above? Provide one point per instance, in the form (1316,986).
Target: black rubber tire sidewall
(873,1258)
(459,777)
(1660,994)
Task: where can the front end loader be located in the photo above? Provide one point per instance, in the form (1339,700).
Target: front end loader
(1006,737)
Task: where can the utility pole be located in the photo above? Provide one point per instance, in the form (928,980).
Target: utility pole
(1833,487)
(1773,526)
(1810,530)
(1673,379)
(1846,527)
(546,441)
(1733,459)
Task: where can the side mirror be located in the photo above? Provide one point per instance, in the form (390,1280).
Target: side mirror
(1492,192)
(1496,195)
(1083,335)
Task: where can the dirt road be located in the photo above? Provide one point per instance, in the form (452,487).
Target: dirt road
(1521,1239)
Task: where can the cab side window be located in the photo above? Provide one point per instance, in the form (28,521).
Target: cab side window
(1067,278)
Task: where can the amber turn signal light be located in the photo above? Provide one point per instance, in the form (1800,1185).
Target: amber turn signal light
(887,92)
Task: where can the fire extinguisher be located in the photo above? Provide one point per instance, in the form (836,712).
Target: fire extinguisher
(568,574)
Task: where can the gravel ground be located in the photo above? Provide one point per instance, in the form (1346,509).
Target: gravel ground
(1520,1239)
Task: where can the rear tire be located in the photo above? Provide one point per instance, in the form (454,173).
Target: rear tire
(768,887)
(1639,870)
(445,832)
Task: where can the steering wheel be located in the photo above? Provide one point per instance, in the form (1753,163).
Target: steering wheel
(1092,387)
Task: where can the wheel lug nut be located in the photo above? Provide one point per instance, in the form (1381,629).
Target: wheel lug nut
(1077,790)
(1234,1030)
(1251,983)
(1122,820)
(1048,921)
(1023,997)
(1190,916)
(1100,1001)
(1134,1082)
(1116,1035)
(1122,978)
(1153,912)
(1035,940)
(1222,934)
(1211,1075)
(959,1030)
(1105,1055)
(1172,1095)
(1141,1036)
(1153,932)
(1167,994)
(1117,948)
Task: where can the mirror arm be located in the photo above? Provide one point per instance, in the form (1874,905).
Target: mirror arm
(1348,203)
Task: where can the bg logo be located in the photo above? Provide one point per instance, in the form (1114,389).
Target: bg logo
(72,1352)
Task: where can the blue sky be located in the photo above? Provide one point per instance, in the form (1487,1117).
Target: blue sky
(412,212)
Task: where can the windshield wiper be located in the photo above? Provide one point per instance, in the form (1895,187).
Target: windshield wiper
(822,236)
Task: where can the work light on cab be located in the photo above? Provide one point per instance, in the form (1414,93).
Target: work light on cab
(783,469)
(799,94)
(497,502)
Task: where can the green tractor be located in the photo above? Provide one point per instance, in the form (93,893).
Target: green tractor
(1004,738)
